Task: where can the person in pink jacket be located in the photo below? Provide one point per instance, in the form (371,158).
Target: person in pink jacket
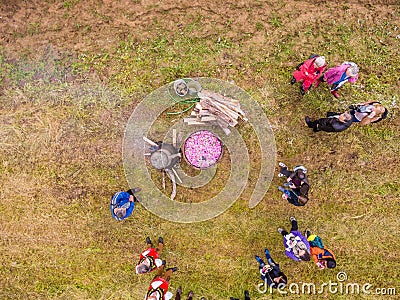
(308,72)
(339,75)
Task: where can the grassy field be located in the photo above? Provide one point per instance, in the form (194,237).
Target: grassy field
(73,71)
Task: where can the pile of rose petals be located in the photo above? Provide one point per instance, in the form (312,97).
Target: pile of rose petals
(202,149)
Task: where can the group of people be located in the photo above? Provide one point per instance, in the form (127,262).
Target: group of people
(298,246)
(149,261)
(311,72)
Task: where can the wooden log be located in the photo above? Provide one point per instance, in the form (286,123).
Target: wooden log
(220,115)
(221,107)
(208,118)
(149,141)
(172,177)
(194,122)
(174,137)
(224,127)
(218,97)
(230,102)
(231,117)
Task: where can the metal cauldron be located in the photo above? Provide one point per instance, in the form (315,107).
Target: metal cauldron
(165,157)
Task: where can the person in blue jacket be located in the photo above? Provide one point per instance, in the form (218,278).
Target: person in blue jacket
(123,203)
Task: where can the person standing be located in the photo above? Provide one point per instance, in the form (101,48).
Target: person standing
(158,289)
(296,245)
(297,182)
(368,112)
(270,272)
(331,124)
(337,76)
(307,72)
(149,259)
(322,256)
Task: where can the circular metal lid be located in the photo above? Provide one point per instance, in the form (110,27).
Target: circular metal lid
(160,159)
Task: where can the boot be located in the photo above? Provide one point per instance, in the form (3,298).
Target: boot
(335,94)
(293,81)
(309,123)
(319,80)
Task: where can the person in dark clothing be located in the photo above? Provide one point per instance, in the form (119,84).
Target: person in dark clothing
(290,196)
(331,124)
(297,182)
(271,274)
(246,296)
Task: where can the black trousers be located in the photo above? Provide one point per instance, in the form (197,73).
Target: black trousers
(295,227)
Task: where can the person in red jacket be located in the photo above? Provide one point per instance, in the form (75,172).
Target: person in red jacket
(149,259)
(308,72)
(158,289)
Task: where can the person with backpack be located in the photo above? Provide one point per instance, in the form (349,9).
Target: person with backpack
(296,245)
(335,123)
(158,289)
(149,259)
(337,76)
(308,72)
(270,272)
(123,203)
(322,256)
(297,182)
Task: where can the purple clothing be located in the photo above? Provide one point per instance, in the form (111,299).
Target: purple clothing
(334,74)
(290,254)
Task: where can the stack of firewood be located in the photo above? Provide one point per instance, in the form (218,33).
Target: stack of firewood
(216,109)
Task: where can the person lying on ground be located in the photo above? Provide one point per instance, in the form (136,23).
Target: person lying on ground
(368,112)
